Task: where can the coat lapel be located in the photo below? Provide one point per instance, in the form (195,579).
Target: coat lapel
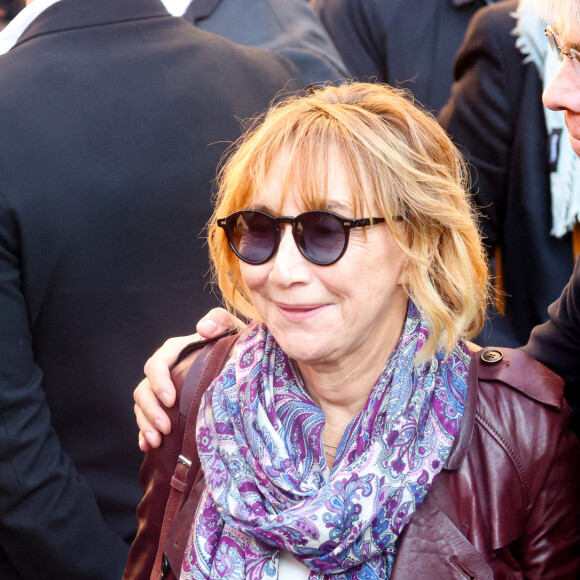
(71,14)
(432,547)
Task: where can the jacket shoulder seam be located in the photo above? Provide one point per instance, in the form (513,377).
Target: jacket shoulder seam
(524,375)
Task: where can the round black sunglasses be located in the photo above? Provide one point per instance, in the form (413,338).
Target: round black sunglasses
(321,236)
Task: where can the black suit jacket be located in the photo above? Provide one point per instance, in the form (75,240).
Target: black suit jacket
(113,116)
(410,43)
(496,116)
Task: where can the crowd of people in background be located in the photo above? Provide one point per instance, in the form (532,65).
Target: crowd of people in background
(114,116)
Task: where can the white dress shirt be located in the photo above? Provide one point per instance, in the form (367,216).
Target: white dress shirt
(13,31)
(177,7)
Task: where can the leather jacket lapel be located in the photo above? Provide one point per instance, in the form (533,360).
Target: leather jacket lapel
(432,547)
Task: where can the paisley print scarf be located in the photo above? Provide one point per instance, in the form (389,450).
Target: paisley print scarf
(267,482)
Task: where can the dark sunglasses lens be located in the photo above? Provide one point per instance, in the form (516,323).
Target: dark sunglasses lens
(321,236)
(253,236)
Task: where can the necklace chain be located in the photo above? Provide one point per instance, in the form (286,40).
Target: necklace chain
(329,453)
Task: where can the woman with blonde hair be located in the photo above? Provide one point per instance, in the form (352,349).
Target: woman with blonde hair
(353,433)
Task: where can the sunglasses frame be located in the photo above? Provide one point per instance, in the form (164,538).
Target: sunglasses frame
(227,224)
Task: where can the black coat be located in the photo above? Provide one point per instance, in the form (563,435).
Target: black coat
(556,343)
(113,116)
(401,42)
(496,117)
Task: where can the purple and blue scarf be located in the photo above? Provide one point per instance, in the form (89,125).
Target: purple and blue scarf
(268,486)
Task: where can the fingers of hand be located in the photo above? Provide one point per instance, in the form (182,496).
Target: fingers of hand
(147,403)
(216,322)
(143,445)
(157,368)
(149,436)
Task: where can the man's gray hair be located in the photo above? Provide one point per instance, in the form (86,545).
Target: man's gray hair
(566,13)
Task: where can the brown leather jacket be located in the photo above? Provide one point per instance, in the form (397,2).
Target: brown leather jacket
(507,504)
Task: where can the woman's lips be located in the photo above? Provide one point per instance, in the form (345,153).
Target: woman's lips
(299,312)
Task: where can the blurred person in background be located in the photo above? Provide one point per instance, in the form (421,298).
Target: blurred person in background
(525,175)
(289,27)
(556,343)
(408,43)
(113,116)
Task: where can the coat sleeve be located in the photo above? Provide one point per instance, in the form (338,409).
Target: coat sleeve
(481,111)
(50,523)
(556,343)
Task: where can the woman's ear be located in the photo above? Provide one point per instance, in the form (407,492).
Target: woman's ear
(404,275)
(431,249)
(433,245)
(430,256)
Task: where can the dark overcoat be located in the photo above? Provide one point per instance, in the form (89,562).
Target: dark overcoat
(113,116)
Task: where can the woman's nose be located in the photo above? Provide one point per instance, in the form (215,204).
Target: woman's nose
(289,266)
